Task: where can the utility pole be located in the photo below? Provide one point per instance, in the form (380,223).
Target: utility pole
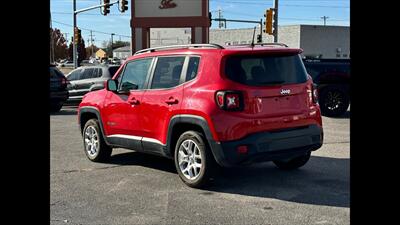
(112,34)
(51,42)
(219,17)
(275,21)
(324,18)
(74,55)
(91,41)
(106,9)
(66,37)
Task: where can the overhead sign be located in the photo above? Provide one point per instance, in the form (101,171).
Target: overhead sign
(167,8)
(166,4)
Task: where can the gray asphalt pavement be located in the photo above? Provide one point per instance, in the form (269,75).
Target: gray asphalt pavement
(135,188)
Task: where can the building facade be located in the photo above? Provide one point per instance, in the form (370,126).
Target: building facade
(315,40)
(122,52)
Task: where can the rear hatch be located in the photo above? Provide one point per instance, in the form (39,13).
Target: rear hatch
(58,82)
(275,84)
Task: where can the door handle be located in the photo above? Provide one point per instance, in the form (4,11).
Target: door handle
(133,101)
(171,101)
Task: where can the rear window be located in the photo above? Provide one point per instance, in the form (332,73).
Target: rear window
(167,73)
(54,72)
(266,70)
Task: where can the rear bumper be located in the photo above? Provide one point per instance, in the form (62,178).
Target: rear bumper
(59,96)
(268,146)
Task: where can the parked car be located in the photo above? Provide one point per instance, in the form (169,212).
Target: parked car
(58,89)
(68,63)
(332,77)
(88,78)
(205,105)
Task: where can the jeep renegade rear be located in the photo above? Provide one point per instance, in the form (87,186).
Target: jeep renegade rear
(204,105)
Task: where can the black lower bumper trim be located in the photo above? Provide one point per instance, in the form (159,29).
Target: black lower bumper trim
(268,146)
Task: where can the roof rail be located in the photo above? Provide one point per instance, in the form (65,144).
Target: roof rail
(179,47)
(262,44)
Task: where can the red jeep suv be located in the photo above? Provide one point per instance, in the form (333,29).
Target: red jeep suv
(206,106)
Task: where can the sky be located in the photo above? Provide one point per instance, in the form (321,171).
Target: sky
(291,12)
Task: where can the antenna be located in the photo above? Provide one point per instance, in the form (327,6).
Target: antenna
(252,40)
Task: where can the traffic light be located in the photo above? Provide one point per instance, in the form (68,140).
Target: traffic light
(77,35)
(210,17)
(269,21)
(122,5)
(105,9)
(259,38)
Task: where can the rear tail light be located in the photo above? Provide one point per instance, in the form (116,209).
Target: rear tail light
(314,93)
(229,100)
(64,81)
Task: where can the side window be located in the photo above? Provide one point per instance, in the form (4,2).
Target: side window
(135,73)
(168,72)
(87,73)
(193,66)
(96,73)
(75,75)
(99,72)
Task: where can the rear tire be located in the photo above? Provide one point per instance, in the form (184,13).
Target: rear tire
(96,149)
(194,161)
(293,163)
(334,101)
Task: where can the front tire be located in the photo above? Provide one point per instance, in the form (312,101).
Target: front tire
(194,162)
(293,163)
(95,147)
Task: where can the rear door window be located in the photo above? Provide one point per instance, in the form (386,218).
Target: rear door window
(87,73)
(168,71)
(266,70)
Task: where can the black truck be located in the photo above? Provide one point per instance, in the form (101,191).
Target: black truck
(332,77)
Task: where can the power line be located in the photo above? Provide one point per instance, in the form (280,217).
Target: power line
(284,18)
(101,32)
(287,5)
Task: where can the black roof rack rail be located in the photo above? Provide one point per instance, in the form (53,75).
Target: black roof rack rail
(169,47)
(262,44)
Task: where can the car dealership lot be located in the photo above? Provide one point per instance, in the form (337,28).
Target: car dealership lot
(135,188)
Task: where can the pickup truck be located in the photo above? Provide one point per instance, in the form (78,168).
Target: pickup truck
(332,77)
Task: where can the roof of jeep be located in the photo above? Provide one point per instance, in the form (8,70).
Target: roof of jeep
(225,50)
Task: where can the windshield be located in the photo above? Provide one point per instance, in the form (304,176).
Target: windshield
(266,69)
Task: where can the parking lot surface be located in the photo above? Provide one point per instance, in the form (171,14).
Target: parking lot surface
(136,188)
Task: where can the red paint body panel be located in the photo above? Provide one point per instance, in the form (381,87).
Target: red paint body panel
(265,108)
(156,112)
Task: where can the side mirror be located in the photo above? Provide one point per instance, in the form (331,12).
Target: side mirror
(111,85)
